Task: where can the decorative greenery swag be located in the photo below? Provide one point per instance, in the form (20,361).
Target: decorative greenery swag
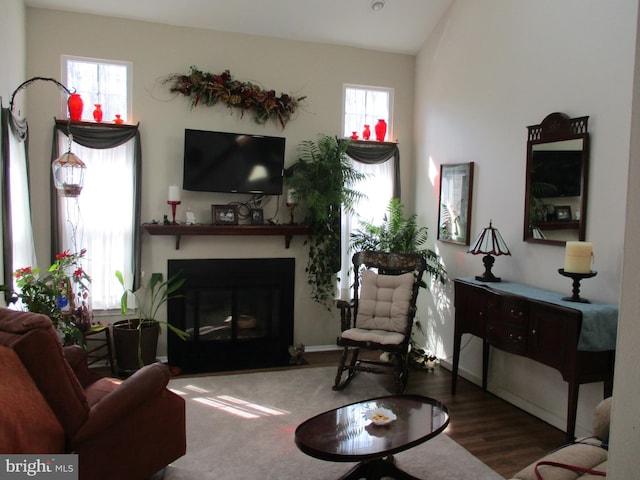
(210,89)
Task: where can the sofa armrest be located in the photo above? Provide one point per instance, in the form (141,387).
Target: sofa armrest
(148,382)
(602,419)
(76,357)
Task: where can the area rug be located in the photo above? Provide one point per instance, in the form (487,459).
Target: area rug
(242,427)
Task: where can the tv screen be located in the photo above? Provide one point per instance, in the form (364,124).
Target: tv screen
(233,162)
(556,173)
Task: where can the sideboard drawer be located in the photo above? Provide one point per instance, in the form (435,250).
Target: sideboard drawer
(507,329)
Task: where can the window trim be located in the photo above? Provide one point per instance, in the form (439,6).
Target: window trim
(389,90)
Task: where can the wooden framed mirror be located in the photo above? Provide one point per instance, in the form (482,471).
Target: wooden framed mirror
(555,208)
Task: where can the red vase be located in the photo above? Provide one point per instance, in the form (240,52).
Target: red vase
(381,130)
(97,113)
(354,135)
(75,105)
(366,133)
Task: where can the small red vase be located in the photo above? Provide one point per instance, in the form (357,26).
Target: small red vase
(381,130)
(97,113)
(366,133)
(75,105)
(354,135)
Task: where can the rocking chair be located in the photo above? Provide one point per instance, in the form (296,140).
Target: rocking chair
(383,308)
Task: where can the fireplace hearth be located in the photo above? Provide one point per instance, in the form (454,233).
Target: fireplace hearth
(238,312)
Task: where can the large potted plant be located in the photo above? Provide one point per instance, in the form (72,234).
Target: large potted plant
(136,338)
(322,183)
(400,234)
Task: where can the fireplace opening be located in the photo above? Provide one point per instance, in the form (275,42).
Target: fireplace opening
(238,313)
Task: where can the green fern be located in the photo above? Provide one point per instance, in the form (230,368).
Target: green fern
(323,183)
(398,234)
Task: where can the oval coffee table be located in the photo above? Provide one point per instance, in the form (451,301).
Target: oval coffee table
(344,434)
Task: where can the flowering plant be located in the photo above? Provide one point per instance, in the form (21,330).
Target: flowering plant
(62,294)
(210,89)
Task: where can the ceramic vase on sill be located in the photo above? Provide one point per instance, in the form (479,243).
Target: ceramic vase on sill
(366,133)
(75,105)
(381,130)
(97,113)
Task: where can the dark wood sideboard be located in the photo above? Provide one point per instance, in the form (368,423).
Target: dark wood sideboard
(522,325)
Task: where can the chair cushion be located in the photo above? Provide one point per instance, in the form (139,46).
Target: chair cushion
(376,336)
(384,301)
(27,423)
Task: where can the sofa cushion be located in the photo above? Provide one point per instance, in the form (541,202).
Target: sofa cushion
(27,423)
(384,301)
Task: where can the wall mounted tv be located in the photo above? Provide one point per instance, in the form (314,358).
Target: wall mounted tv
(233,162)
(556,173)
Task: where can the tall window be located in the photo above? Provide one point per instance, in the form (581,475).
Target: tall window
(364,106)
(102,219)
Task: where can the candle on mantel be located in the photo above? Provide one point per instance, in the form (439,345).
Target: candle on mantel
(578,257)
(174,193)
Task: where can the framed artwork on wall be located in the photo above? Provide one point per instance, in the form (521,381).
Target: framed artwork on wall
(225,214)
(454,215)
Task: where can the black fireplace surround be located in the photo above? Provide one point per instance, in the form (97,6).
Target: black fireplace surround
(238,312)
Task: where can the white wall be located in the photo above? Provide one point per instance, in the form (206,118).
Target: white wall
(12,49)
(156,51)
(491,69)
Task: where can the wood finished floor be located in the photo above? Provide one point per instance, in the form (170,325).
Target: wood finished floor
(499,434)
(502,436)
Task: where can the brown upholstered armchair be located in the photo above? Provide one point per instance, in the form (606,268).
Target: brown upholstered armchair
(120,429)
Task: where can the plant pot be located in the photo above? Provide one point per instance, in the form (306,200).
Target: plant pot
(132,344)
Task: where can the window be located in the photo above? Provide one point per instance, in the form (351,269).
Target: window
(103,218)
(104,82)
(364,106)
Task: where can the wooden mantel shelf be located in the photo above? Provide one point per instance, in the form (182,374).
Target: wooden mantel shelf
(287,230)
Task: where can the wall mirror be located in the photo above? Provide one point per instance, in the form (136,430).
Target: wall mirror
(556,186)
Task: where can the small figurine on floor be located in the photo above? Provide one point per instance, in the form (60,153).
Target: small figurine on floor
(296,352)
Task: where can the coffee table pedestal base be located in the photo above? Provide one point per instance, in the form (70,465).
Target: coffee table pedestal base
(377,469)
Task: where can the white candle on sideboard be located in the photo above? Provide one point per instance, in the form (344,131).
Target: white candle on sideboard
(174,193)
(578,257)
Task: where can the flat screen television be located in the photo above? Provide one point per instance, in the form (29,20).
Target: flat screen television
(556,173)
(233,162)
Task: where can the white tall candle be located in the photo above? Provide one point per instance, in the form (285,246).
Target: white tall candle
(174,193)
(578,257)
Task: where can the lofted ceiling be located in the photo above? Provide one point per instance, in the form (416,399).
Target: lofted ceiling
(401,26)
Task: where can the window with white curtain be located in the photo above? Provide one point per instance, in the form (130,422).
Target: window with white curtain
(101,219)
(365,106)
(378,191)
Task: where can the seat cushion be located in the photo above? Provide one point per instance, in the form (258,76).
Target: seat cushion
(384,301)
(376,336)
(27,423)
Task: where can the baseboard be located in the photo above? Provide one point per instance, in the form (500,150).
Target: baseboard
(321,348)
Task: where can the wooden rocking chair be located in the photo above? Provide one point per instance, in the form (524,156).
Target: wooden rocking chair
(383,309)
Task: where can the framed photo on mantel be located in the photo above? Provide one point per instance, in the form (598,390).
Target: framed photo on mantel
(454,216)
(224,214)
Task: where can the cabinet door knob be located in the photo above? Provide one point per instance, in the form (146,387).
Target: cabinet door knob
(534,331)
(515,339)
(516,313)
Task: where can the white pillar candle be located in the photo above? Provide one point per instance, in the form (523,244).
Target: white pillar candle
(174,193)
(578,257)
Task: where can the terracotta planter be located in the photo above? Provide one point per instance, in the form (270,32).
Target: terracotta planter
(127,339)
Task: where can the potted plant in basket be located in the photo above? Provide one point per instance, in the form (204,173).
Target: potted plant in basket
(136,339)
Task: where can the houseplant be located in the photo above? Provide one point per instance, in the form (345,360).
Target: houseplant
(400,234)
(136,338)
(61,293)
(322,182)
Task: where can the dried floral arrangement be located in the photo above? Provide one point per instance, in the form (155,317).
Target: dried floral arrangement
(210,89)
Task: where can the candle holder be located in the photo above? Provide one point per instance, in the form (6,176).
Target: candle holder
(174,204)
(577,277)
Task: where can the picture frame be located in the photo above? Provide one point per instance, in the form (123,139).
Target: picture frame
(454,209)
(224,214)
(256,216)
(563,213)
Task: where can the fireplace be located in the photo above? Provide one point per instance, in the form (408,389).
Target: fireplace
(238,312)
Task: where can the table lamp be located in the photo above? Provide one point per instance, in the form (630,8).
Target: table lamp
(489,243)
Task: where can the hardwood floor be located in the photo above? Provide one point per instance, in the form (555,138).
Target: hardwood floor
(499,434)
